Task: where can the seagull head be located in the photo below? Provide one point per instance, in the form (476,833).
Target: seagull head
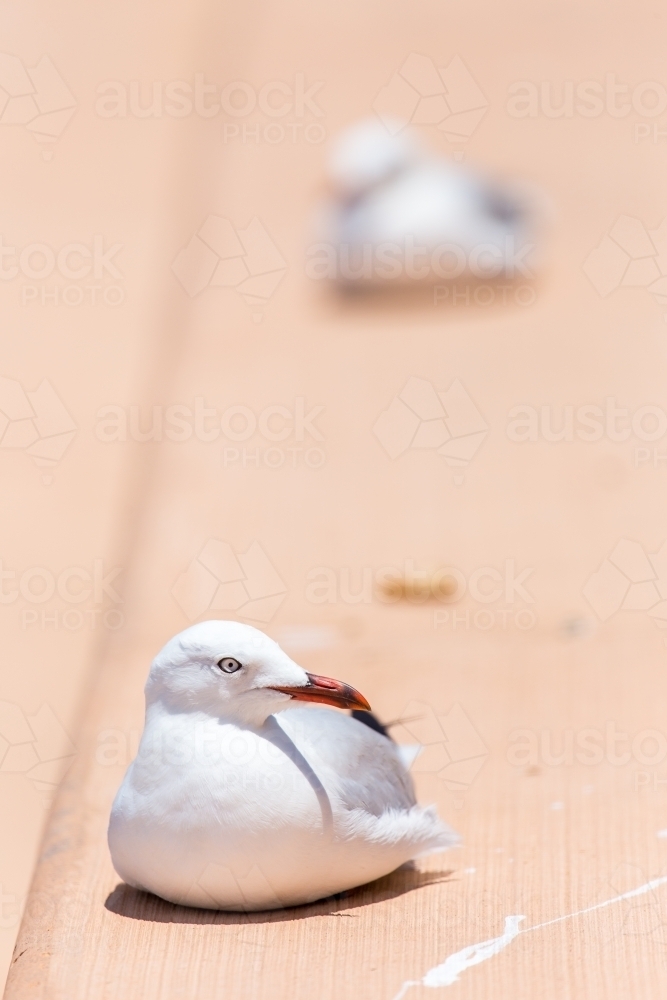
(239,673)
(370,152)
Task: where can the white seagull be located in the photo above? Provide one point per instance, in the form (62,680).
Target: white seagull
(237,800)
(400,214)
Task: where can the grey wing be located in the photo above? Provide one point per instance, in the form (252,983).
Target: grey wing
(364,765)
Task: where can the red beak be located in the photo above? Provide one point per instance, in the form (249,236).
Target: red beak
(328,691)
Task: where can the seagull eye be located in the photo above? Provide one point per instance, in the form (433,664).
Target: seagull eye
(229,665)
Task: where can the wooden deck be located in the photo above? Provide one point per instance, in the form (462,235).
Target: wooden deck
(544,725)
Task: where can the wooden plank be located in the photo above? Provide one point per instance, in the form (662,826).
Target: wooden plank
(86,935)
(551,827)
(97,340)
(87,340)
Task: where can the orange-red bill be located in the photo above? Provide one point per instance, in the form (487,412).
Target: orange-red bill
(328,691)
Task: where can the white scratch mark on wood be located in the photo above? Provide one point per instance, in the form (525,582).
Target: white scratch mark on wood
(449,971)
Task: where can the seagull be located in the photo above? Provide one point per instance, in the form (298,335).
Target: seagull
(399,213)
(246,796)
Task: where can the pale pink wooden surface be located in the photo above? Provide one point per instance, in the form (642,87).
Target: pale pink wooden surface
(546,839)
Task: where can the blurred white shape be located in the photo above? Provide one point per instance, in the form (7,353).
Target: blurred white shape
(308,637)
(399,214)
(408,752)
(367,153)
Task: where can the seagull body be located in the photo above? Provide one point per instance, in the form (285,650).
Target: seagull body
(240,800)
(401,214)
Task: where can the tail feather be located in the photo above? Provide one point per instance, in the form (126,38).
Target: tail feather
(416,831)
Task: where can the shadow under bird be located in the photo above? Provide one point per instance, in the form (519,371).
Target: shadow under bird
(245,797)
